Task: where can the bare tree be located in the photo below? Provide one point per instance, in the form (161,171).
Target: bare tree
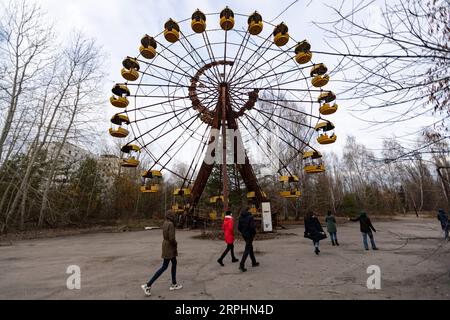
(395,56)
(24,41)
(83,60)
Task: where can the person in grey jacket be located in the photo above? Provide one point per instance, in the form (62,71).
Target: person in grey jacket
(169,255)
(330,220)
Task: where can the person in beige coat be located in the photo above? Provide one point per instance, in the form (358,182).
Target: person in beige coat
(169,254)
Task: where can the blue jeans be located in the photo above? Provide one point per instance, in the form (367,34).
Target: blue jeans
(372,240)
(333,236)
(164,268)
(316,244)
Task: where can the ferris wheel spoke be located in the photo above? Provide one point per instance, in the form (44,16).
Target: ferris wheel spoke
(151,105)
(305,143)
(208,104)
(162,78)
(269,75)
(268,129)
(165,113)
(211,53)
(181,124)
(250,70)
(173,143)
(201,147)
(262,149)
(236,60)
(294,101)
(280,126)
(158,126)
(225,55)
(194,67)
(284,118)
(169,131)
(273,88)
(152,96)
(233,79)
(156,85)
(196,52)
(212,78)
(155,66)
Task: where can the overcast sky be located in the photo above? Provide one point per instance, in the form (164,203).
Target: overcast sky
(119,25)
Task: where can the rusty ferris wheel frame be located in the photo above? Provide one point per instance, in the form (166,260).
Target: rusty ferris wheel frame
(242,81)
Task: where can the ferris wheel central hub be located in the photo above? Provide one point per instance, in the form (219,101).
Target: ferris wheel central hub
(224,88)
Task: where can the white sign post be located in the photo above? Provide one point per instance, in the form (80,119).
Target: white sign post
(266,217)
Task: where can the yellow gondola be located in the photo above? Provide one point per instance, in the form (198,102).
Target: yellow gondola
(252,195)
(198,23)
(327,109)
(289,186)
(117,129)
(148,47)
(132,160)
(185,192)
(325,99)
(119,97)
(313,162)
(216,199)
(320,78)
(181,199)
(227,19)
(252,201)
(151,180)
(217,202)
(291,194)
(213,215)
(281,35)
(171,31)
(130,69)
(178,208)
(150,189)
(255,24)
(303,52)
(324,128)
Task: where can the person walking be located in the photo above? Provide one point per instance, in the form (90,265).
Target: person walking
(247,228)
(366,228)
(330,220)
(445,223)
(169,254)
(314,230)
(228,232)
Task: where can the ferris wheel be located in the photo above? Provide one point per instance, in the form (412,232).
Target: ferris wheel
(201,77)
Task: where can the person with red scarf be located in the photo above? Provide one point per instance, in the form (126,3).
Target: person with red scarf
(228,232)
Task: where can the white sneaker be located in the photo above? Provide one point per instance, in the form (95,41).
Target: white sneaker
(147,290)
(175,287)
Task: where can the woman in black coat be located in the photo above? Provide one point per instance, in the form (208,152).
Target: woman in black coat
(313,230)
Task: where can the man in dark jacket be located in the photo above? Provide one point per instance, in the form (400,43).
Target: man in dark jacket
(366,228)
(247,228)
(445,223)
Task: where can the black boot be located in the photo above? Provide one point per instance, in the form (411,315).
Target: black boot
(332,242)
(242,268)
(235,260)
(337,243)
(220,262)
